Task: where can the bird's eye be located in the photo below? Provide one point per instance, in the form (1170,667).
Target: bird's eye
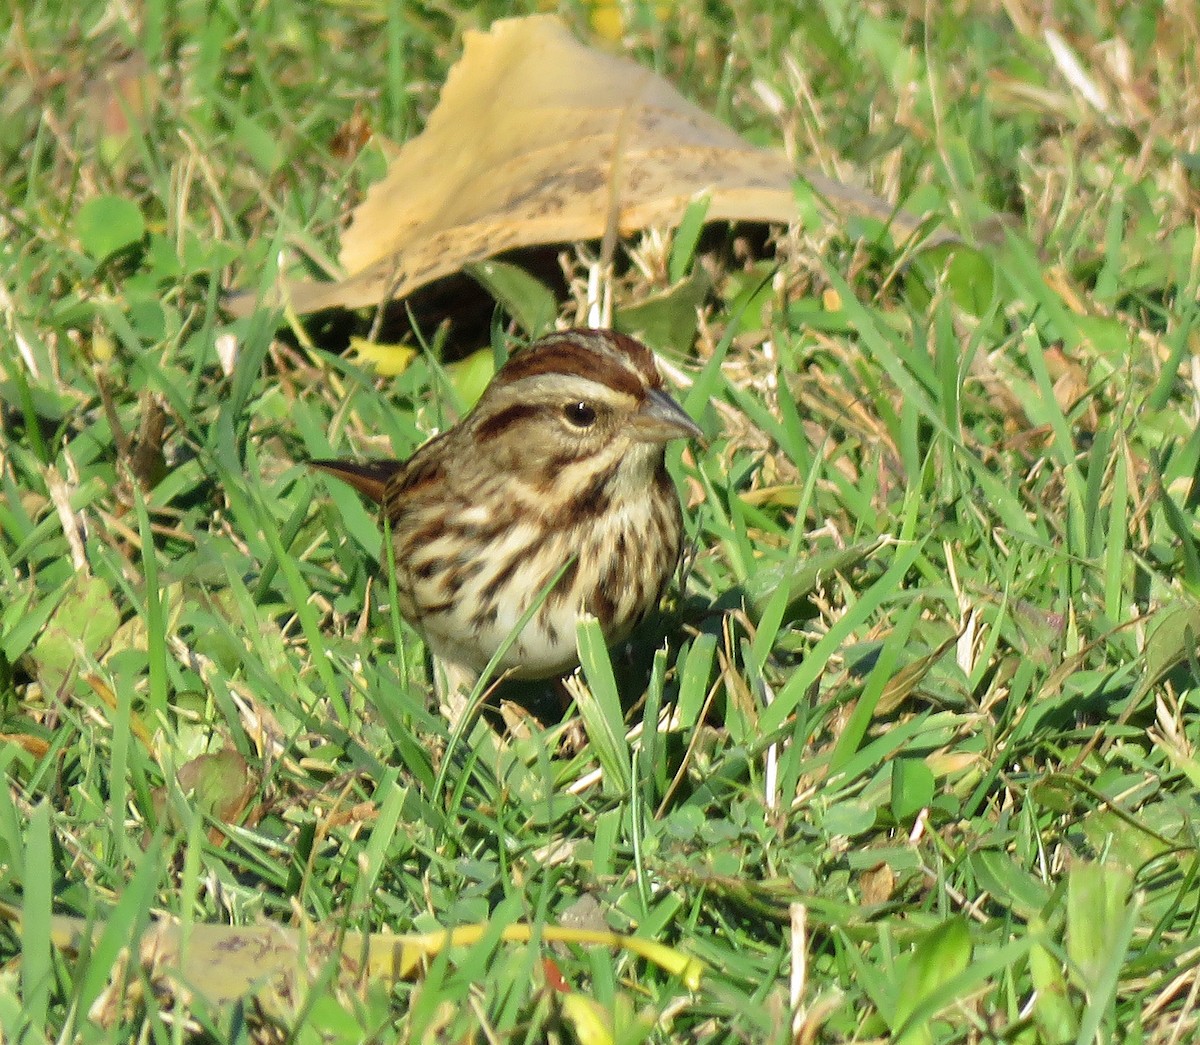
(581,415)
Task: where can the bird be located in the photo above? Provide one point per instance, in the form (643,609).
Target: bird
(554,487)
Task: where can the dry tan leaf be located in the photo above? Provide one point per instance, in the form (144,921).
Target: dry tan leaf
(906,680)
(138,728)
(949,763)
(877,884)
(35,746)
(1070,384)
(540,139)
(352,136)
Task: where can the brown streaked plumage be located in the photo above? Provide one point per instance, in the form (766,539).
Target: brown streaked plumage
(560,466)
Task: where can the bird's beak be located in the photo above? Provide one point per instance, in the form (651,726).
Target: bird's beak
(661,419)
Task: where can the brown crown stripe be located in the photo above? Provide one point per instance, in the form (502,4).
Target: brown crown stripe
(568,359)
(610,341)
(641,356)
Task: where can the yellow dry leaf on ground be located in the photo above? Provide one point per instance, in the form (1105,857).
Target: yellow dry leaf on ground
(277,965)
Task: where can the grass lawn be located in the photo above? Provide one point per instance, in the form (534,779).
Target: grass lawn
(912,753)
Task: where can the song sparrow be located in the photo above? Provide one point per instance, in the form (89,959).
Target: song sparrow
(558,467)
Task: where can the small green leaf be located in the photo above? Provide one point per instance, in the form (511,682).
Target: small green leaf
(809,206)
(219,785)
(694,678)
(942,954)
(108,224)
(849,819)
(906,680)
(1054,793)
(811,313)
(667,320)
(47,402)
(221,782)
(1122,842)
(21,620)
(82,626)
(971,277)
(161,260)
(1171,638)
(261,144)
(748,294)
(147,317)
(37,976)
(912,788)
(470,376)
(999,874)
(528,300)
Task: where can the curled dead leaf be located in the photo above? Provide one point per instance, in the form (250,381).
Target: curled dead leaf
(540,139)
(220,784)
